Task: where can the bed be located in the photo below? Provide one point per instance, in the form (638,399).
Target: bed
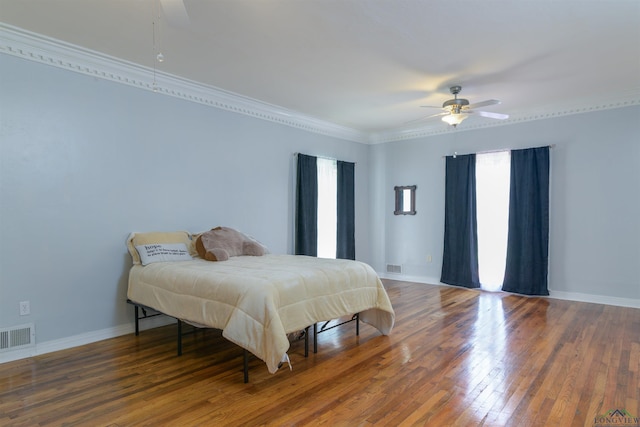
(255,300)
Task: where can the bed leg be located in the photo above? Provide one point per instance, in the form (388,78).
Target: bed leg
(135,308)
(179,337)
(246,366)
(306,342)
(315,337)
(357,324)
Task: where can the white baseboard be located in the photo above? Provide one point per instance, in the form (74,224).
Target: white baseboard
(82,339)
(116,331)
(595,299)
(407,278)
(570,296)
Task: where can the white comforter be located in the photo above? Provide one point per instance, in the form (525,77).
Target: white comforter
(256,301)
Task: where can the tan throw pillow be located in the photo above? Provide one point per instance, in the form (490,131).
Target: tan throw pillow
(157,238)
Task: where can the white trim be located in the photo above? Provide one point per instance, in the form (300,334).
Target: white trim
(569,296)
(586,106)
(595,299)
(34,47)
(82,339)
(103,334)
(406,278)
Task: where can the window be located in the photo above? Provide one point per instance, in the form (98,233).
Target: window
(327,207)
(492,192)
(468,227)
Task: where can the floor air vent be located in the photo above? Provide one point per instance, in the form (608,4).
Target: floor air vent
(393,268)
(17,337)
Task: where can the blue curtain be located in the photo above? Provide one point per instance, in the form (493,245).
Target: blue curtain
(306,234)
(346,244)
(528,241)
(460,257)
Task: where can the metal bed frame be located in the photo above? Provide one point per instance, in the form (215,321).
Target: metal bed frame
(324,328)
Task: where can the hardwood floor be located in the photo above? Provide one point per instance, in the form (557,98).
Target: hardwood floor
(455,357)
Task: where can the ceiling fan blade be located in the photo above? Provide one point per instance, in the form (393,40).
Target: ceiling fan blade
(176,12)
(484,103)
(421,119)
(429,106)
(498,116)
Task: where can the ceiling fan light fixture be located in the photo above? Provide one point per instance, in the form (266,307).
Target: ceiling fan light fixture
(456,110)
(454,119)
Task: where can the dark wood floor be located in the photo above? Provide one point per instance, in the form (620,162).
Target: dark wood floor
(455,357)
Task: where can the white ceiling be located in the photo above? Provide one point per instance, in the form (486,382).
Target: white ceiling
(369,65)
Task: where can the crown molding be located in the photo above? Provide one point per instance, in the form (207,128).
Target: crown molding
(585,106)
(35,47)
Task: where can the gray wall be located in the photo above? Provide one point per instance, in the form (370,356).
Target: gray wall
(85,161)
(594,207)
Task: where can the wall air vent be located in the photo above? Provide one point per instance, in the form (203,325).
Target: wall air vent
(393,268)
(17,337)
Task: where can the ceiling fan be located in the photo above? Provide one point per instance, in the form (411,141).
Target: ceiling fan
(458,109)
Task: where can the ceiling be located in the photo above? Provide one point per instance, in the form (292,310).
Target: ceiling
(369,65)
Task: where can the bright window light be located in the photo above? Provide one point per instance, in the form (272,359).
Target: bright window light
(492,192)
(327,207)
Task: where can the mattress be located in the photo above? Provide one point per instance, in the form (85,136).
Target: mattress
(257,301)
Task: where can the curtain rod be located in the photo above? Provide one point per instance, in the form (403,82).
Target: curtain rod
(455,153)
(325,157)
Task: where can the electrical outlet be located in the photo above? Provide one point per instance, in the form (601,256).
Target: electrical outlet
(25,308)
(429,258)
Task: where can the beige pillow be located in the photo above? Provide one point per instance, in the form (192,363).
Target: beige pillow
(163,252)
(157,237)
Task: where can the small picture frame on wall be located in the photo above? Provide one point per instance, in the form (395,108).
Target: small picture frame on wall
(405,200)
